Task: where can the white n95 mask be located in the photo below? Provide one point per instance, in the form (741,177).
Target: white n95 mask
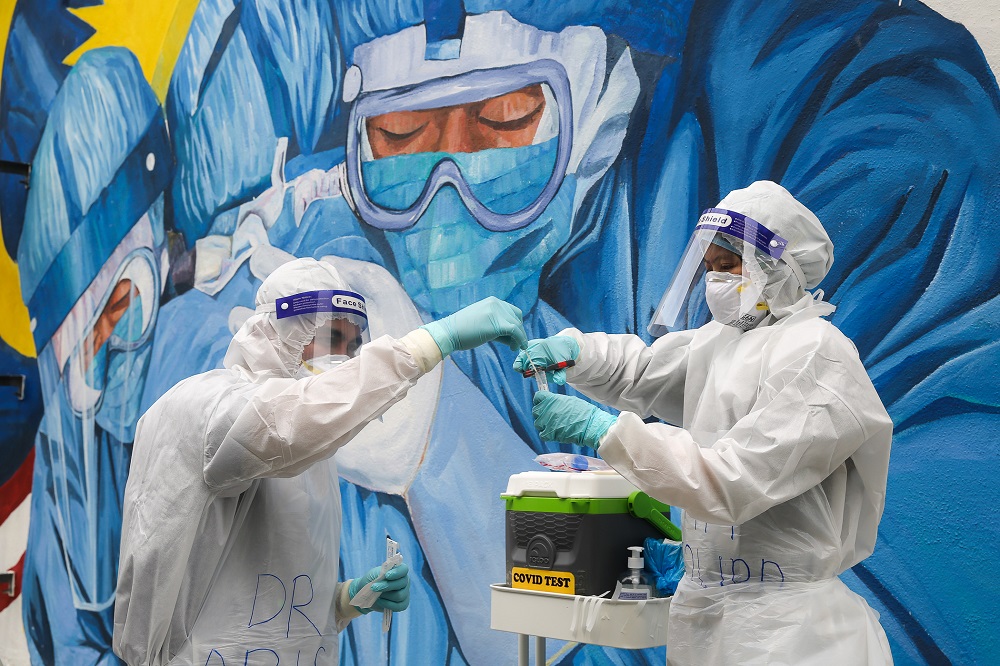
(734,300)
(319,364)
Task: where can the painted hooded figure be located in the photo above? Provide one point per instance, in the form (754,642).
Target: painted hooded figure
(91,259)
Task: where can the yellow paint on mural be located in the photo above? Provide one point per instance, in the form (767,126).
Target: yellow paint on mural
(152,30)
(15,326)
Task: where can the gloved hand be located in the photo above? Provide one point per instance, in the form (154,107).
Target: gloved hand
(489,319)
(546,352)
(565,418)
(395,588)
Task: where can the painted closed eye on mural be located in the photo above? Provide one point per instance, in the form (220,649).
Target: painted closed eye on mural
(555,155)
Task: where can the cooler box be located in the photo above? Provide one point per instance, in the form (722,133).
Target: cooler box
(569,532)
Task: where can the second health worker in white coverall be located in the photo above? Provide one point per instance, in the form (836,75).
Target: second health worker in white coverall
(231,533)
(780,460)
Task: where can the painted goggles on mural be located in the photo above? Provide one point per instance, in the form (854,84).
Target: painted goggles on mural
(122,322)
(728,240)
(500,137)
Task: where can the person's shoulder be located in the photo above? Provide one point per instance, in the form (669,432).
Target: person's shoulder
(812,336)
(200,389)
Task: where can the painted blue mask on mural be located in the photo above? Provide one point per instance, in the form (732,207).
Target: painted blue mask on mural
(125,371)
(448,260)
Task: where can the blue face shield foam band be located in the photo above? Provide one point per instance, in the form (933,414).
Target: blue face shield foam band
(323,300)
(740,226)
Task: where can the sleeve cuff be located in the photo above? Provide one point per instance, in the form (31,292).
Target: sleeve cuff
(581,358)
(607,433)
(345,612)
(422,347)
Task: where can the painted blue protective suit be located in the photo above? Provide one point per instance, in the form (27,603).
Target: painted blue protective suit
(95,207)
(883,119)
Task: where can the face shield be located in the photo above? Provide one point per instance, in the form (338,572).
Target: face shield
(122,323)
(92,374)
(727,261)
(501,138)
(334,324)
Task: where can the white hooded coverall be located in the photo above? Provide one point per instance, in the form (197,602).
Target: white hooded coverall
(231,534)
(779,465)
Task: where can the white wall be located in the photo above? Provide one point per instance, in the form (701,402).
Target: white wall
(980,17)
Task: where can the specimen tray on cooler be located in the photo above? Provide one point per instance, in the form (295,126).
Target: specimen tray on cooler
(622,624)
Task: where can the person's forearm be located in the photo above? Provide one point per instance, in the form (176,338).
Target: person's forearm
(622,372)
(288,424)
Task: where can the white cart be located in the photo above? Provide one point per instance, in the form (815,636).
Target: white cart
(621,624)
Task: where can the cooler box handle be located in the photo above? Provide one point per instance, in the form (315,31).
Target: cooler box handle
(645,507)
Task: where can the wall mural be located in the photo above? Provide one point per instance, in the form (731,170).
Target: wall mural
(180,151)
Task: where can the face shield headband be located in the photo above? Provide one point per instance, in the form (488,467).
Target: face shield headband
(759,248)
(464,88)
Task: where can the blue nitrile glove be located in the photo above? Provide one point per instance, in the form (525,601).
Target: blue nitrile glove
(546,352)
(395,588)
(489,319)
(565,418)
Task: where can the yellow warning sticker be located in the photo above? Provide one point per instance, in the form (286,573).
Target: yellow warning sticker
(562,582)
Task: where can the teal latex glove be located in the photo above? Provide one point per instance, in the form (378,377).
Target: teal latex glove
(489,319)
(546,352)
(565,418)
(395,588)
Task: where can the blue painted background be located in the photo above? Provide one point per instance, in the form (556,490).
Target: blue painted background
(883,119)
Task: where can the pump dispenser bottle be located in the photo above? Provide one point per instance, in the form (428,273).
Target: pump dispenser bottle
(635,584)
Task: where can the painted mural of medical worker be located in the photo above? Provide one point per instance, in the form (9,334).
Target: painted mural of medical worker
(725,94)
(90,265)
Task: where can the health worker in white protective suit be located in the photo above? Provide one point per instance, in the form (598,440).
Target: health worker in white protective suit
(232,513)
(780,460)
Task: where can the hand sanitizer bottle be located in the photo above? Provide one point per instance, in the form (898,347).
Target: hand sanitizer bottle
(634,584)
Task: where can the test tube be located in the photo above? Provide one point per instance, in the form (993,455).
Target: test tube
(540,378)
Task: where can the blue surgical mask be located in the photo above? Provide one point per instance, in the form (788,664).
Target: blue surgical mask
(447,260)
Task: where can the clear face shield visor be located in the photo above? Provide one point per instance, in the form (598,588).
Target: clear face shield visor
(500,137)
(339,319)
(727,249)
(122,322)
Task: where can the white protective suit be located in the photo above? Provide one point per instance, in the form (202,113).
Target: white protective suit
(232,516)
(780,464)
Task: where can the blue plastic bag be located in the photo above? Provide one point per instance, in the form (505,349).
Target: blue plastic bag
(665,563)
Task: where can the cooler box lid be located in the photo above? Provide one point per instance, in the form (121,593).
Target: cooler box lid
(569,485)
